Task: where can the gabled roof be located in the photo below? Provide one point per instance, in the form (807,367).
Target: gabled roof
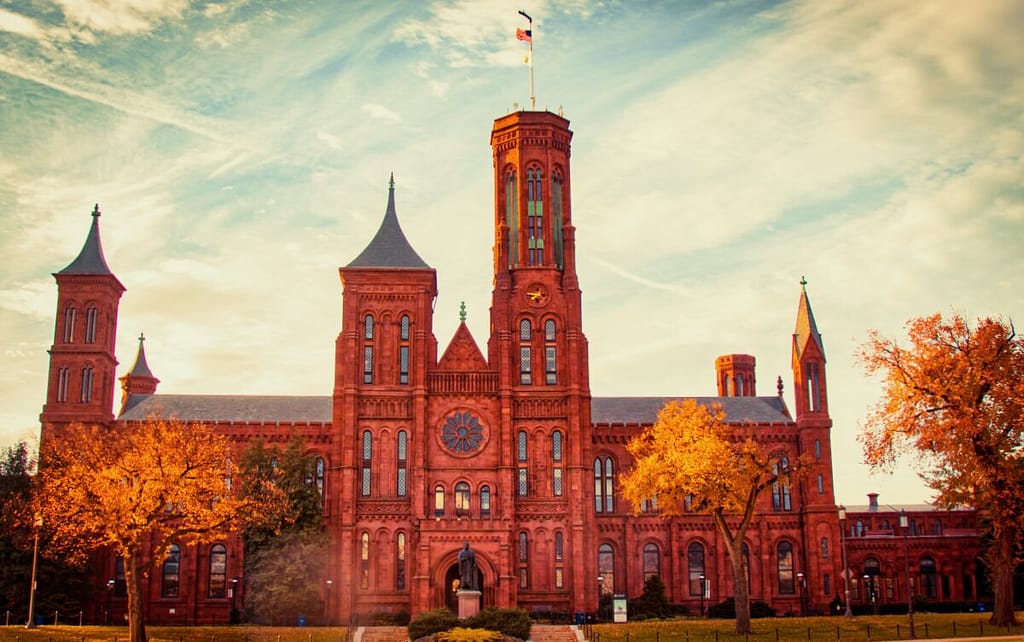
(274,408)
(140,368)
(462,352)
(644,410)
(389,248)
(806,328)
(90,260)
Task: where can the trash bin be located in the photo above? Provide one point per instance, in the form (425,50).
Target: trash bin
(580,617)
(301,621)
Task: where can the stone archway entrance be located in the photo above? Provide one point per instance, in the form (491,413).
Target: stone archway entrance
(450,579)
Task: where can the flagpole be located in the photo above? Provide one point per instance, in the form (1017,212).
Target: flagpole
(533,98)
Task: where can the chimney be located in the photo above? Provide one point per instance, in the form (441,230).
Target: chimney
(872,501)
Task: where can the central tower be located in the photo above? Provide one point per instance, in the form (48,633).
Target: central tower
(538,347)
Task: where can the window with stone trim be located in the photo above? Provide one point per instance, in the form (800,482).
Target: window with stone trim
(368,349)
(63,383)
(652,561)
(402,481)
(556,457)
(364,561)
(695,568)
(218,571)
(400,561)
(535,215)
(403,350)
(439,501)
(782,499)
(550,353)
(91,318)
(604,486)
(69,323)
(319,476)
(512,216)
(525,352)
(367,465)
(87,381)
(485,501)
(606,569)
(557,215)
(461,499)
(169,579)
(784,568)
(524,560)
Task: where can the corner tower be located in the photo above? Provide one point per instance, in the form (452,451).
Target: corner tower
(82,362)
(539,349)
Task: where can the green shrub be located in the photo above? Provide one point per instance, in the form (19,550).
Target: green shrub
(461,634)
(431,622)
(513,622)
(726,609)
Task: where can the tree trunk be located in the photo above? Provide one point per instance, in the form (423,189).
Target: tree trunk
(1001,563)
(740,593)
(136,611)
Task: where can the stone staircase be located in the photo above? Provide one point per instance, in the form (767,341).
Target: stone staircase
(381,634)
(552,633)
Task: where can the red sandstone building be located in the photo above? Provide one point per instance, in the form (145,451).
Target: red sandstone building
(417,451)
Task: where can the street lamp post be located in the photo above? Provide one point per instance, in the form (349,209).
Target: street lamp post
(35,561)
(234,601)
(600,587)
(327,601)
(802,580)
(846,569)
(703,590)
(904,524)
(110,600)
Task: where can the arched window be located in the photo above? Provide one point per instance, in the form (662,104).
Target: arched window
(87,377)
(824,548)
(929,580)
(367,461)
(169,580)
(784,567)
(817,449)
(402,483)
(781,498)
(559,546)
(512,216)
(368,349)
(556,215)
(63,379)
(550,353)
(462,499)
(937,527)
(872,570)
(821,484)
(556,457)
(485,501)
(218,570)
(858,529)
(521,446)
(652,561)
(522,481)
(725,385)
(813,387)
(319,473)
(739,385)
(403,350)
(439,501)
(400,562)
(535,215)
(525,353)
(604,497)
(69,323)
(606,569)
(364,561)
(524,560)
(695,562)
(91,316)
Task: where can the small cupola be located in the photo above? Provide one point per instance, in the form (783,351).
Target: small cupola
(735,373)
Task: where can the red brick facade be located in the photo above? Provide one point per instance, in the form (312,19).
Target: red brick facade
(418,454)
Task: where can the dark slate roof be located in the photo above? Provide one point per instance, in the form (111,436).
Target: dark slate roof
(250,408)
(644,410)
(90,260)
(389,248)
(140,368)
(262,408)
(805,325)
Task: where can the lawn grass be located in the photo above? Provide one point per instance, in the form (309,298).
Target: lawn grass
(244,633)
(816,629)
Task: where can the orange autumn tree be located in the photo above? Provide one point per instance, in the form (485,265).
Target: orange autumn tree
(691,452)
(131,486)
(955,398)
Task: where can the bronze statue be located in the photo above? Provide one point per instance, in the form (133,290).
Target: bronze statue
(467,569)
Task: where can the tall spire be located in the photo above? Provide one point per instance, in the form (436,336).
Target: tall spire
(90,260)
(806,328)
(389,247)
(140,368)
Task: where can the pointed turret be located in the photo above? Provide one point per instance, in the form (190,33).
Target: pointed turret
(806,329)
(389,247)
(90,260)
(140,379)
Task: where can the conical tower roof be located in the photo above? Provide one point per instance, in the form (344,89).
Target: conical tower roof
(389,248)
(90,260)
(806,328)
(141,368)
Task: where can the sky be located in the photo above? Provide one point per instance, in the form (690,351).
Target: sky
(240,153)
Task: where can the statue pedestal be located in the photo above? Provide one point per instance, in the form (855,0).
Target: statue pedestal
(469,603)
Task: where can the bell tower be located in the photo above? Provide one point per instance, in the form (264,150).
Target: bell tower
(82,362)
(539,349)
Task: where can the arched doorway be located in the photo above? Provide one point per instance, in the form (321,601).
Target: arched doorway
(451,584)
